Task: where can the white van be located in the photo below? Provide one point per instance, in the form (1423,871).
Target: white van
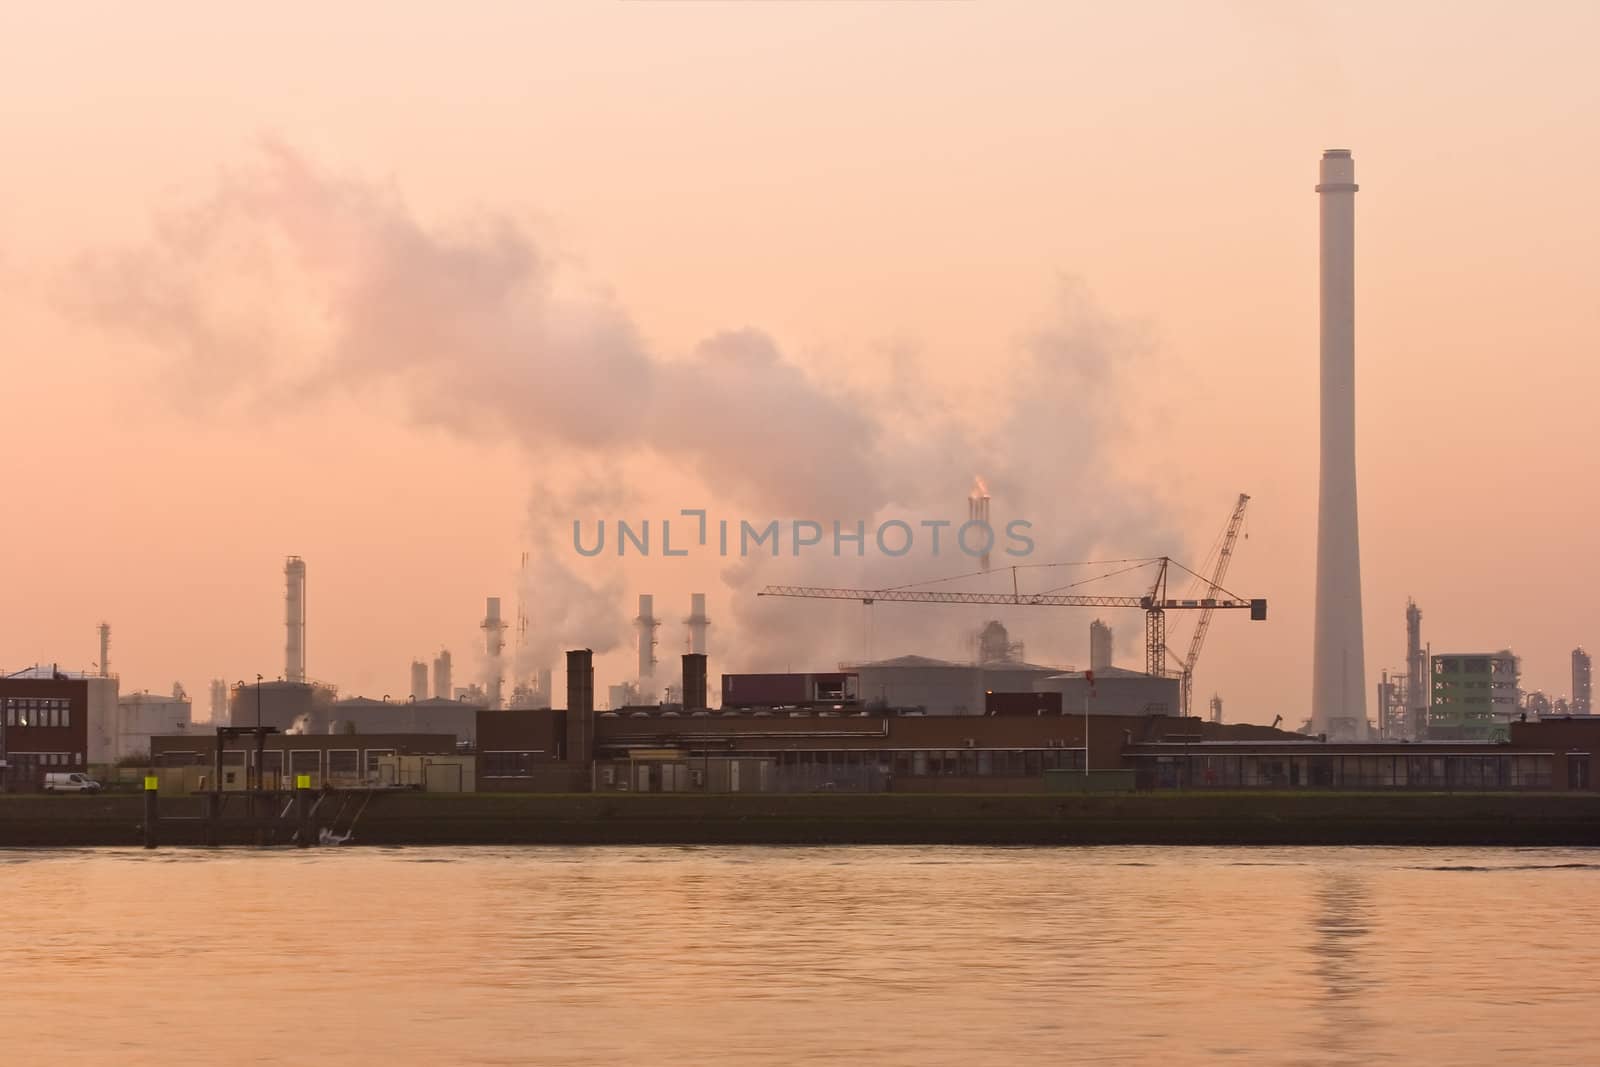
(70,783)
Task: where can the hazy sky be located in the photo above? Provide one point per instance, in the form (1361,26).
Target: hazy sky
(389,289)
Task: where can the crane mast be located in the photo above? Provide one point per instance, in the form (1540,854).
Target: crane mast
(1154,604)
(1203,623)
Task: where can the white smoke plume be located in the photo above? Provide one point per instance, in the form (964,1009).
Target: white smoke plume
(287,280)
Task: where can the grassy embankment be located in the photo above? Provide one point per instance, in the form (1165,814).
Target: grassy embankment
(1040,819)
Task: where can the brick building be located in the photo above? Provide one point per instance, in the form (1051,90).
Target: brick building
(44,727)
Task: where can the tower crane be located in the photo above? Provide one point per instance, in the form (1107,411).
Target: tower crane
(1214,586)
(1155,604)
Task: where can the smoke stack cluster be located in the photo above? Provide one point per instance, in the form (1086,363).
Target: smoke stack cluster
(294,597)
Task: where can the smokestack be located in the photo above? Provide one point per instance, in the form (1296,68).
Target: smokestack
(978,511)
(694,682)
(1419,682)
(419,680)
(698,624)
(580,680)
(1099,646)
(1339,687)
(294,597)
(441,676)
(105,650)
(580,706)
(646,624)
(494,643)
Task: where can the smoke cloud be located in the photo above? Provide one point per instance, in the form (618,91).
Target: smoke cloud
(286,281)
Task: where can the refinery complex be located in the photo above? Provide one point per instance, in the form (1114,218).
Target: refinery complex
(994,720)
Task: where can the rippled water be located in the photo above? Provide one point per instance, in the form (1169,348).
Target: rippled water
(791,956)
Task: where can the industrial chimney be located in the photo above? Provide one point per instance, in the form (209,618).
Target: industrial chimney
(978,511)
(1419,681)
(646,624)
(698,623)
(294,652)
(1338,687)
(694,682)
(105,650)
(580,706)
(494,643)
(1100,646)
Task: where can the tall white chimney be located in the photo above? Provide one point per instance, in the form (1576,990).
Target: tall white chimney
(698,623)
(646,623)
(1339,686)
(105,650)
(494,643)
(294,651)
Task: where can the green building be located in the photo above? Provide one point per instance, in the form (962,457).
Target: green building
(1474,696)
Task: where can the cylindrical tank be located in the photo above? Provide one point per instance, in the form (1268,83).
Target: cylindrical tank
(441,676)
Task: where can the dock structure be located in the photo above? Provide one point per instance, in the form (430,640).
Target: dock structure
(301,816)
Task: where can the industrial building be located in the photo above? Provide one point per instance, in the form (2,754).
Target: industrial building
(1114,691)
(44,724)
(361,715)
(141,716)
(1582,683)
(942,687)
(302,707)
(189,763)
(1475,696)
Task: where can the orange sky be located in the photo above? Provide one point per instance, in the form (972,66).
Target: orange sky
(883,190)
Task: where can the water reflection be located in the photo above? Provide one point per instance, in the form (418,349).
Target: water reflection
(762,957)
(1342,922)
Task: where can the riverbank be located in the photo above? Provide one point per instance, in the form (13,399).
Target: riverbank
(405,818)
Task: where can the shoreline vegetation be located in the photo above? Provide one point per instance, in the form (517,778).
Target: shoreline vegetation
(407,818)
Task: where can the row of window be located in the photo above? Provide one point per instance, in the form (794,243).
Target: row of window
(970,762)
(507,764)
(341,763)
(1335,772)
(38,711)
(32,760)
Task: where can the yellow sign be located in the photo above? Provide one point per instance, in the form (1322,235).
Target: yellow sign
(151,783)
(302,781)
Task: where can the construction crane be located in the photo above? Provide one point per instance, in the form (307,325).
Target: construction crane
(1155,604)
(1214,586)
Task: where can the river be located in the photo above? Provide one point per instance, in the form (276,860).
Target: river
(753,956)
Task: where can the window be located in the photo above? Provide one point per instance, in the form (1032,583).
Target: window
(344,763)
(506,764)
(271,770)
(373,756)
